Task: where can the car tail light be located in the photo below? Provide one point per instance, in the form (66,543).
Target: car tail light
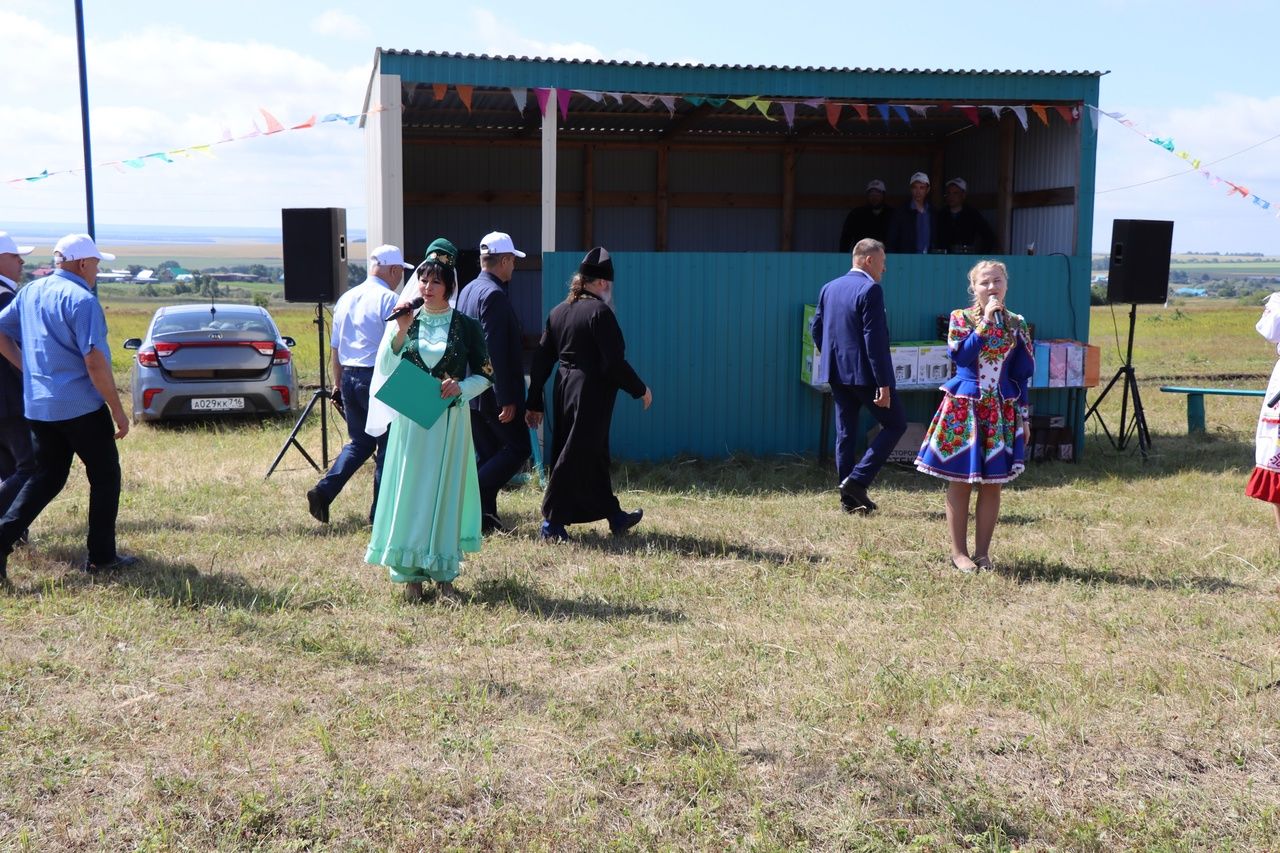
(147,357)
(281,355)
(149,394)
(165,348)
(283,391)
(264,347)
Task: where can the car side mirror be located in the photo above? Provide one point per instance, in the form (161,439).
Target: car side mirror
(289,342)
(132,343)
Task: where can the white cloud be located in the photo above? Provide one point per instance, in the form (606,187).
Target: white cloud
(161,88)
(1205,216)
(335,22)
(498,40)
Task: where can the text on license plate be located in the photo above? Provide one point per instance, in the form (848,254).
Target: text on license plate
(217,404)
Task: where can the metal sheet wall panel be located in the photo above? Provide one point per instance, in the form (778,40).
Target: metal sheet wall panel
(818,230)
(1047,157)
(717,338)
(626,229)
(1050,228)
(625,171)
(974,155)
(823,172)
(724,171)
(707,230)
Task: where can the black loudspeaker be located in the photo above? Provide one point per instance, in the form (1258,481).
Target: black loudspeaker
(1139,268)
(315,253)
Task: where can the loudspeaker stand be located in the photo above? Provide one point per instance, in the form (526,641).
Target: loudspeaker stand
(1129,427)
(322,394)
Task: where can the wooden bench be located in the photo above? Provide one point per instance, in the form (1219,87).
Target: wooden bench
(1195,401)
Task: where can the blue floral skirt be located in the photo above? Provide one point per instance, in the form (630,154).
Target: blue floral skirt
(974,441)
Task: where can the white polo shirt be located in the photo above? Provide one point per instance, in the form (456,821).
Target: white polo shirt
(358,322)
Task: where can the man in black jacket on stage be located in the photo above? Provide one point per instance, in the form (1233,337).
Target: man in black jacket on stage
(583,336)
(497,416)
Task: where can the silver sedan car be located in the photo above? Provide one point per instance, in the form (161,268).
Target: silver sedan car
(211,359)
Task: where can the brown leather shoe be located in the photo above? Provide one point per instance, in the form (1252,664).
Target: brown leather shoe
(413,592)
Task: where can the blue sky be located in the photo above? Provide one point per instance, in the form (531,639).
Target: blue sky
(166,74)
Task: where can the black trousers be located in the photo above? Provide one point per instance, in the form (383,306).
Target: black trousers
(501,451)
(92,438)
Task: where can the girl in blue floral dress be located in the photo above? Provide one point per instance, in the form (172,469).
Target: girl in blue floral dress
(978,434)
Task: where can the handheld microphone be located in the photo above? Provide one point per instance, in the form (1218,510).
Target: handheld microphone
(405,309)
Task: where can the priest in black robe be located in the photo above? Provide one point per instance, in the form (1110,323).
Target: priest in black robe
(583,341)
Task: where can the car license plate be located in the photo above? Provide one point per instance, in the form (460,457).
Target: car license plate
(217,404)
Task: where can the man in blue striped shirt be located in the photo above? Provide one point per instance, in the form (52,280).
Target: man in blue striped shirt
(56,332)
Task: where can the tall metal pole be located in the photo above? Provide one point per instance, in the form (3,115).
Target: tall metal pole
(84,122)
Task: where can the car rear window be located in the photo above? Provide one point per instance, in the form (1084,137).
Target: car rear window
(219,322)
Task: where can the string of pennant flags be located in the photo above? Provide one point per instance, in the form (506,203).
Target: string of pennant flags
(272,126)
(1194,162)
(834,111)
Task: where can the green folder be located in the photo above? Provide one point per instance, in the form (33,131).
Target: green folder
(414,393)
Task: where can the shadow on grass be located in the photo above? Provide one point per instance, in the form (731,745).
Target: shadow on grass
(641,540)
(176,584)
(1043,571)
(510,592)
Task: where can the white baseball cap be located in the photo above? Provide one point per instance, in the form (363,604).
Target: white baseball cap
(498,243)
(877,184)
(8,247)
(959,182)
(388,256)
(75,247)
(920,178)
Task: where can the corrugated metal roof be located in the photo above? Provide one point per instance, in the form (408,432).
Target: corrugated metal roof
(613,63)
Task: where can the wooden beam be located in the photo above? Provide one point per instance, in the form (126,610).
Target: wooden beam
(588,197)
(788,197)
(549,185)
(1004,182)
(662,200)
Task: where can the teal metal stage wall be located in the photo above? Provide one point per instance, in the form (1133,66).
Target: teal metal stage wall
(717,338)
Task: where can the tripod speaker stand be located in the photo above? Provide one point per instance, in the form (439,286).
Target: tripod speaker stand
(1129,426)
(321,395)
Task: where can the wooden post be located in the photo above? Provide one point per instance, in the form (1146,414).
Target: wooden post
(1004,183)
(588,197)
(549,174)
(788,196)
(660,208)
(384,162)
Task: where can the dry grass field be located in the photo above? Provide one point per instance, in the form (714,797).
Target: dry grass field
(751,669)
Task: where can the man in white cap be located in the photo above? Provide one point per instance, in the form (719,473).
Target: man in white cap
(869,220)
(962,230)
(914,228)
(17,460)
(359,319)
(69,396)
(497,416)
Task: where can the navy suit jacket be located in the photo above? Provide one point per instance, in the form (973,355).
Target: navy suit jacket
(486,300)
(851,330)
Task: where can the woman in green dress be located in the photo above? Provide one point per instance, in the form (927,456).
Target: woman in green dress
(428,512)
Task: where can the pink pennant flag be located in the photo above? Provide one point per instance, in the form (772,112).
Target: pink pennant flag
(1040,114)
(562,95)
(521,97)
(311,122)
(668,101)
(226,136)
(833,114)
(1067,113)
(763,107)
(645,101)
(1021,113)
(971,113)
(438,90)
(464,95)
(789,112)
(543,95)
(250,135)
(861,110)
(273,126)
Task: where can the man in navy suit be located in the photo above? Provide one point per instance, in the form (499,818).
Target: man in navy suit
(851,332)
(497,416)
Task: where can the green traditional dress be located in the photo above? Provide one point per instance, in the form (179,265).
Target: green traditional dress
(428,511)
